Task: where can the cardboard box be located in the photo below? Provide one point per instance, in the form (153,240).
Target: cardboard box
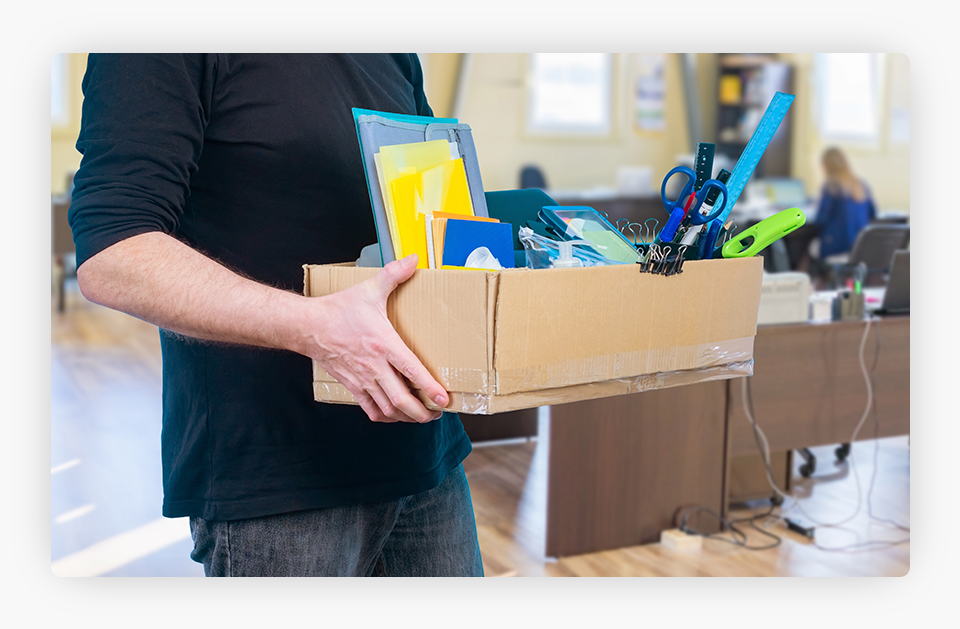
(522,338)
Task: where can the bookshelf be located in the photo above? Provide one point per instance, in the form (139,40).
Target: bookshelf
(745,85)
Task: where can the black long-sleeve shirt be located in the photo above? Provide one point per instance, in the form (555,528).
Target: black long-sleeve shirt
(253,160)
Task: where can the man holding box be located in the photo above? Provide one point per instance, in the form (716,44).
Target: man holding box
(207,181)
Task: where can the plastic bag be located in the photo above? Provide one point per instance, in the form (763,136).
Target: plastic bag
(541,252)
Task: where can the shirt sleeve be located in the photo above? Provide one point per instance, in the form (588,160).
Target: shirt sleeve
(411,68)
(141,135)
(423,107)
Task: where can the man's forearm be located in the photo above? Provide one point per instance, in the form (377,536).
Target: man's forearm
(157,278)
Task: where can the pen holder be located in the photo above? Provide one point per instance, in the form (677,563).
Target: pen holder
(848,306)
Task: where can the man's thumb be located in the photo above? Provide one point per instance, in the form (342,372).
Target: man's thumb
(396,273)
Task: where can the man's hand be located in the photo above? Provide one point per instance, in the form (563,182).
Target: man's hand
(356,344)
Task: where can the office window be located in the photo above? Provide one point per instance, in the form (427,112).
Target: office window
(570,94)
(849,95)
(59,90)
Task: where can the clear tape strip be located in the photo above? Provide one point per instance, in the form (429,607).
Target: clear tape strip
(606,368)
(480,404)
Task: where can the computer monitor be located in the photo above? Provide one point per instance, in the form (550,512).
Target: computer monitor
(896,299)
(785,192)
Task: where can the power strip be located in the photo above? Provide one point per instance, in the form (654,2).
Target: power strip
(799,527)
(675,539)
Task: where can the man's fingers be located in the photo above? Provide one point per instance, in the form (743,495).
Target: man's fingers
(400,397)
(388,406)
(371,408)
(386,397)
(409,366)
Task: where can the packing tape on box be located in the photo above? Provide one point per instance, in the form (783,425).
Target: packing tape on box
(458,374)
(479,404)
(624,365)
(476,404)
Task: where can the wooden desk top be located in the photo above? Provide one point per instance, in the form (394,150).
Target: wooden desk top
(808,387)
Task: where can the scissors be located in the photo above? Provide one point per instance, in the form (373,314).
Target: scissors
(684,207)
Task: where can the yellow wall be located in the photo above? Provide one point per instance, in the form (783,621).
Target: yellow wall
(440,81)
(494,106)
(64,158)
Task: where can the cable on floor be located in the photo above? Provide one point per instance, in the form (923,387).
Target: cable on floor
(764,447)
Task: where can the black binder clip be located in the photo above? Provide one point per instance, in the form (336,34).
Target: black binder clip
(677,266)
(661,267)
(649,258)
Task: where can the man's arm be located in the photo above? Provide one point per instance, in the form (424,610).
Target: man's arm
(157,278)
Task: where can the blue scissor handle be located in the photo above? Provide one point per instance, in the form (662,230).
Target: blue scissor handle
(669,205)
(696,218)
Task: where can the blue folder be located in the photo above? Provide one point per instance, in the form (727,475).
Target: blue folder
(462,237)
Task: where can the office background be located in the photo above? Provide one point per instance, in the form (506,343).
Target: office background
(491,93)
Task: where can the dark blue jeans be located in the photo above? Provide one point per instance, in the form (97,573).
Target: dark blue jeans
(432,533)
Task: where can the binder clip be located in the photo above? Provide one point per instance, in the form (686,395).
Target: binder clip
(646,263)
(660,259)
(676,266)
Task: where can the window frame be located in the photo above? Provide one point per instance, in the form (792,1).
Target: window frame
(604,130)
(60,84)
(874,138)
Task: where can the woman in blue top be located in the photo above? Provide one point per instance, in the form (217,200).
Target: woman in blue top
(845,205)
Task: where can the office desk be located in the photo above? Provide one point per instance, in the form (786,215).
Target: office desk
(620,468)
(808,390)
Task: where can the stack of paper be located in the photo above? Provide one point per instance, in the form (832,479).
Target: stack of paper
(418,181)
(463,235)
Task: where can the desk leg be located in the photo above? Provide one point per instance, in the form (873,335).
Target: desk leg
(620,468)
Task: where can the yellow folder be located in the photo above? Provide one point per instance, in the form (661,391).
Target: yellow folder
(417,196)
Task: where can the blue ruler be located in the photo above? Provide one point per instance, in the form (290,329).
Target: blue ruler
(751,155)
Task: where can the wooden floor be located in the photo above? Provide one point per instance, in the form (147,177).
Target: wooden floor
(105,486)
(507,482)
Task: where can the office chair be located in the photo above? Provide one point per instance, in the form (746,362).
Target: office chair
(874,248)
(810,461)
(532,177)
